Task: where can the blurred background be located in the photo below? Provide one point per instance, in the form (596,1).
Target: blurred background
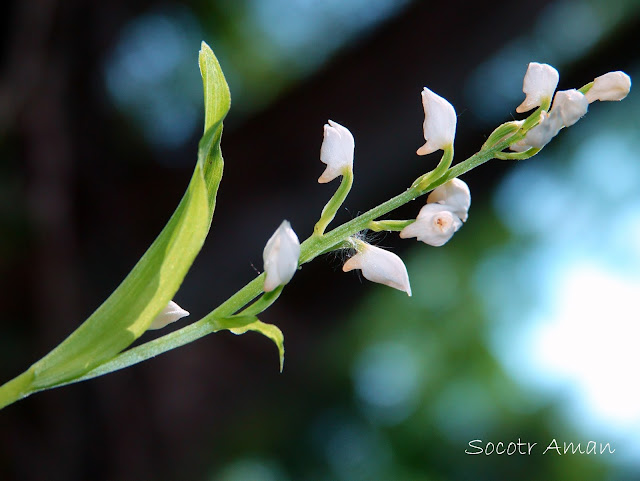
(524,326)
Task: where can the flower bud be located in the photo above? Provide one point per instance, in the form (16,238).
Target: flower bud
(539,83)
(455,194)
(610,86)
(435,225)
(281,256)
(169,314)
(379,265)
(570,105)
(439,123)
(336,151)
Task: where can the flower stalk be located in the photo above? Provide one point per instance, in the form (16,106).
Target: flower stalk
(331,208)
(389,225)
(77,362)
(314,246)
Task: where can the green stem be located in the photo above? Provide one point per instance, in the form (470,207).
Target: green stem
(240,299)
(309,250)
(220,318)
(330,209)
(425,180)
(389,225)
(262,303)
(187,334)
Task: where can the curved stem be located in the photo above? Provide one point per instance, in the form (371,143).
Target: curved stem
(330,209)
(221,317)
(309,250)
(425,180)
(262,303)
(517,155)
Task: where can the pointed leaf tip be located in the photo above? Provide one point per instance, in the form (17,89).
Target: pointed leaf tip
(271,331)
(217,98)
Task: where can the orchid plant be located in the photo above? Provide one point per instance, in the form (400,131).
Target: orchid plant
(143,300)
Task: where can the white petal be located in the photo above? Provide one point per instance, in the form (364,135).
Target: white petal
(381,266)
(336,151)
(435,225)
(454,194)
(519,146)
(539,83)
(439,122)
(169,314)
(610,86)
(570,105)
(281,256)
(541,134)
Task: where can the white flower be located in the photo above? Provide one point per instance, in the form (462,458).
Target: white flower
(570,105)
(281,256)
(336,151)
(610,86)
(547,129)
(439,123)
(539,83)
(455,194)
(169,314)
(435,225)
(446,209)
(540,135)
(380,266)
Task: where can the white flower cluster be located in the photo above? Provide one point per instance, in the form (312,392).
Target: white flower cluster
(447,206)
(568,107)
(446,209)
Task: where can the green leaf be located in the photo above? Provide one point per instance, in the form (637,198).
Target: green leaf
(253,324)
(217,99)
(152,283)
